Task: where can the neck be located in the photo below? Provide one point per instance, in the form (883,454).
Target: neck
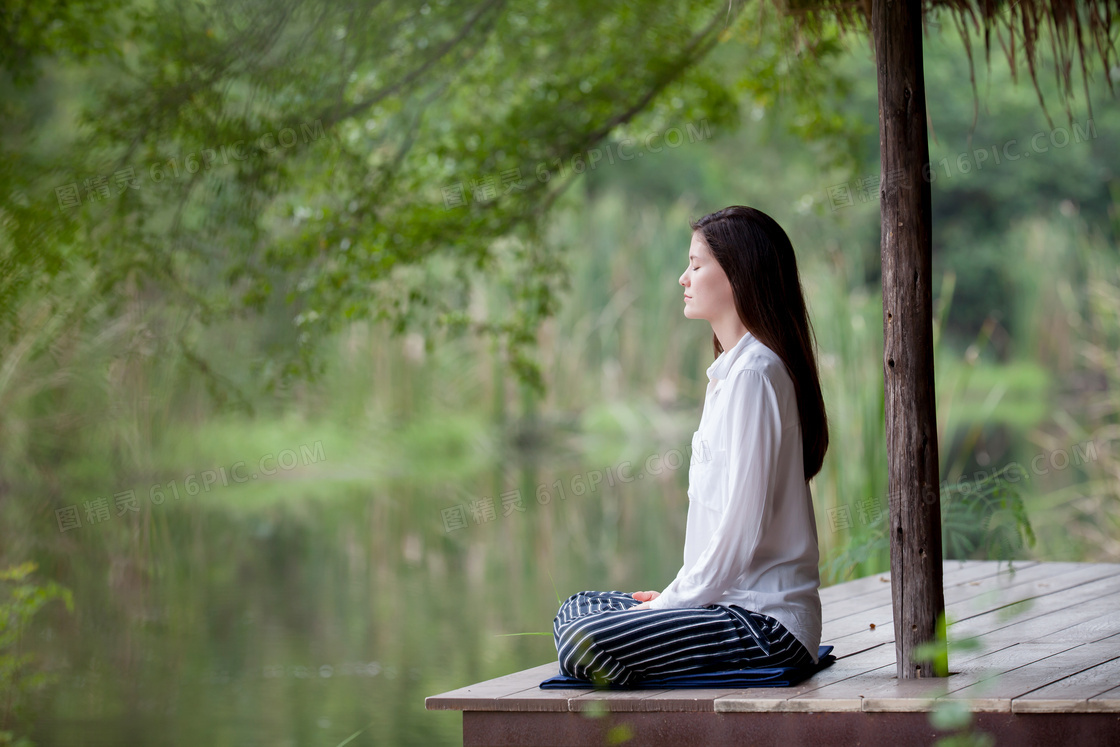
(729,331)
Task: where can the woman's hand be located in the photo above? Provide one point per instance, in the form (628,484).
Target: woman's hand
(645,597)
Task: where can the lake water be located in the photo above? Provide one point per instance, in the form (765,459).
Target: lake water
(330,613)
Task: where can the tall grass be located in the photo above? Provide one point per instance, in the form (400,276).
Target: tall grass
(1080,514)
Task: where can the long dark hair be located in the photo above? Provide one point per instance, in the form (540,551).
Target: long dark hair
(757,257)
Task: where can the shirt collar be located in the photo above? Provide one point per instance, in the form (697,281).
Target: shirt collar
(722,364)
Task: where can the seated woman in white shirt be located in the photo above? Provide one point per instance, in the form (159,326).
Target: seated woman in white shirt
(747,593)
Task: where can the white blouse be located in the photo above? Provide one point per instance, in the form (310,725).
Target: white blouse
(751,535)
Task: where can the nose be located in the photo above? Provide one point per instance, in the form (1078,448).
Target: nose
(681,279)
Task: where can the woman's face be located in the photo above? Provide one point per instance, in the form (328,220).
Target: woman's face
(707,291)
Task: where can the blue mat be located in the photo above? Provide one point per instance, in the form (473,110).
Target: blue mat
(775,677)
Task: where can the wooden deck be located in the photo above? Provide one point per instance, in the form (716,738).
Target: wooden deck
(1044,669)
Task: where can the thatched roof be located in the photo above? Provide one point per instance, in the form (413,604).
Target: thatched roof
(1067,32)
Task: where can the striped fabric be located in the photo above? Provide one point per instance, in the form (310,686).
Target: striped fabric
(598,638)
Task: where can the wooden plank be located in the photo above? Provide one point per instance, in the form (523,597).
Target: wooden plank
(953,571)
(1007,658)
(846,692)
(984,595)
(876,627)
(839,607)
(613,700)
(959,573)
(765,699)
(854,597)
(966,600)
(1071,694)
(881,691)
(1091,629)
(1043,617)
(1069,574)
(990,682)
(534,699)
(878,682)
(1106,702)
(484,695)
(872,584)
(1037,629)
(995,693)
(573,699)
(683,699)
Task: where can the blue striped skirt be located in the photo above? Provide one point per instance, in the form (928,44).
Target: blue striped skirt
(599,639)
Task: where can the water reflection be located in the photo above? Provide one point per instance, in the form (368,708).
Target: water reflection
(338,611)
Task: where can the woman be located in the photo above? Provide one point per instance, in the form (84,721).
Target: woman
(747,594)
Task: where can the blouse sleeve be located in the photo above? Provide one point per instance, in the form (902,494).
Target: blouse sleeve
(754,421)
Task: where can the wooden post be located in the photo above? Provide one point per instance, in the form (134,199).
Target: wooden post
(911,415)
